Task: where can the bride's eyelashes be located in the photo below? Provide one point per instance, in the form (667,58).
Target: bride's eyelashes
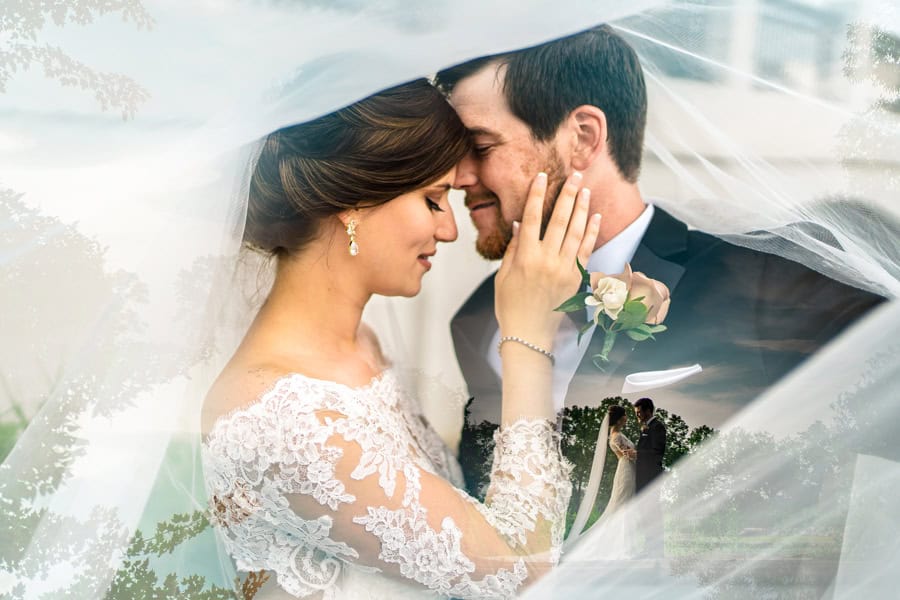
(433,205)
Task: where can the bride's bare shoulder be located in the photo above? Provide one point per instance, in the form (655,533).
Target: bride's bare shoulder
(238,386)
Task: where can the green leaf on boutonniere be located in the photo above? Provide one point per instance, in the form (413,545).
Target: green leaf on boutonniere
(585,276)
(632,316)
(644,328)
(574,303)
(638,335)
(657,328)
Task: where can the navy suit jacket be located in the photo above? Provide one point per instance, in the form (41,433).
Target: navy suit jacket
(651,448)
(746,317)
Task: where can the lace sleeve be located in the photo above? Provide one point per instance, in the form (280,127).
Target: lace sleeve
(407,521)
(616,446)
(349,489)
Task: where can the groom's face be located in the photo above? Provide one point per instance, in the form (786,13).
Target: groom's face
(498,175)
(641,415)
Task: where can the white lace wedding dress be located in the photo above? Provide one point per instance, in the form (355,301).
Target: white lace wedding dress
(623,480)
(344,492)
(621,522)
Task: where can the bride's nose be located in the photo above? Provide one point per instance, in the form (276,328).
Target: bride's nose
(445,230)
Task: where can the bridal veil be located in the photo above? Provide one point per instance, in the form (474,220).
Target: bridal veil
(127,133)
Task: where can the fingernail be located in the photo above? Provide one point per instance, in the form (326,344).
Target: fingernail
(585,195)
(541,176)
(515,227)
(577,175)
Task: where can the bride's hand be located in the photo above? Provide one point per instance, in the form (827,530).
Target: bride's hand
(538,275)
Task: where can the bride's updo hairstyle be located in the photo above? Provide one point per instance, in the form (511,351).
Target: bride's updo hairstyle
(363,155)
(616,412)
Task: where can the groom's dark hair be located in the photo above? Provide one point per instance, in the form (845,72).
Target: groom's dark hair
(644,404)
(544,83)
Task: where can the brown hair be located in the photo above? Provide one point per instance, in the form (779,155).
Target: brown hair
(389,144)
(544,83)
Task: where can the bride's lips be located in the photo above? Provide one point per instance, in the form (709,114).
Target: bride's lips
(424,260)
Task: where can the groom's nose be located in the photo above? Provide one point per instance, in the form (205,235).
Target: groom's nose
(466,172)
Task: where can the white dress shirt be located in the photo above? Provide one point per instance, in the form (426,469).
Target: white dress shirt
(610,258)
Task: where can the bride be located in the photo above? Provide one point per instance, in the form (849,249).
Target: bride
(623,480)
(153,190)
(320,470)
(617,517)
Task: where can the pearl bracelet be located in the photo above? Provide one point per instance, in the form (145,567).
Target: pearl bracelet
(512,338)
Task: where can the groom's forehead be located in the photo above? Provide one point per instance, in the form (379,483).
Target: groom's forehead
(481,95)
(480,102)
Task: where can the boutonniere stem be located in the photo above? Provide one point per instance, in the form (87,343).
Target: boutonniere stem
(629,302)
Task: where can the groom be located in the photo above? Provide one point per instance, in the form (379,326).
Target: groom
(580,104)
(651,448)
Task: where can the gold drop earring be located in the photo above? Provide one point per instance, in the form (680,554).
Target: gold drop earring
(351,232)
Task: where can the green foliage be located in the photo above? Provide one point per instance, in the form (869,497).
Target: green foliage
(872,55)
(169,534)
(9,433)
(580,428)
(140,582)
(138,579)
(21,48)
(476,453)
(52,305)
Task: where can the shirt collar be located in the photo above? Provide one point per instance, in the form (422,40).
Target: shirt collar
(610,258)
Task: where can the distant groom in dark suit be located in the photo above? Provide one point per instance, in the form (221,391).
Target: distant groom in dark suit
(651,447)
(580,104)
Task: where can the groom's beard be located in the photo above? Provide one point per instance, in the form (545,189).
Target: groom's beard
(493,245)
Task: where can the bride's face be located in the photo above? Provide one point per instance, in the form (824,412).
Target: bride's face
(398,239)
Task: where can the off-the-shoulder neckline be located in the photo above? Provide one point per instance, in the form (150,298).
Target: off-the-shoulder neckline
(374,381)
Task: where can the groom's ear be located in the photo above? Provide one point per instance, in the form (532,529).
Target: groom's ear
(587,123)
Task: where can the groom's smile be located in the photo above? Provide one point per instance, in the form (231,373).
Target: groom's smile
(478,205)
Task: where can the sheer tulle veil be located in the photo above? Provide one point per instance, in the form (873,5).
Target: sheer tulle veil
(129,130)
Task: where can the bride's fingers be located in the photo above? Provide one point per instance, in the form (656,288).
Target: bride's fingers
(510,254)
(589,239)
(562,212)
(530,229)
(577,226)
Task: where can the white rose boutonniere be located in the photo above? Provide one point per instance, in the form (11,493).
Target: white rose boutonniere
(629,303)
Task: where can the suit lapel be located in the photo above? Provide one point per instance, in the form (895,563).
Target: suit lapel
(665,238)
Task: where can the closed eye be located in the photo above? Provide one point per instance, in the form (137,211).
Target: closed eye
(483,150)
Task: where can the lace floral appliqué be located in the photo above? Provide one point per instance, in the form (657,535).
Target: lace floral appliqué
(290,443)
